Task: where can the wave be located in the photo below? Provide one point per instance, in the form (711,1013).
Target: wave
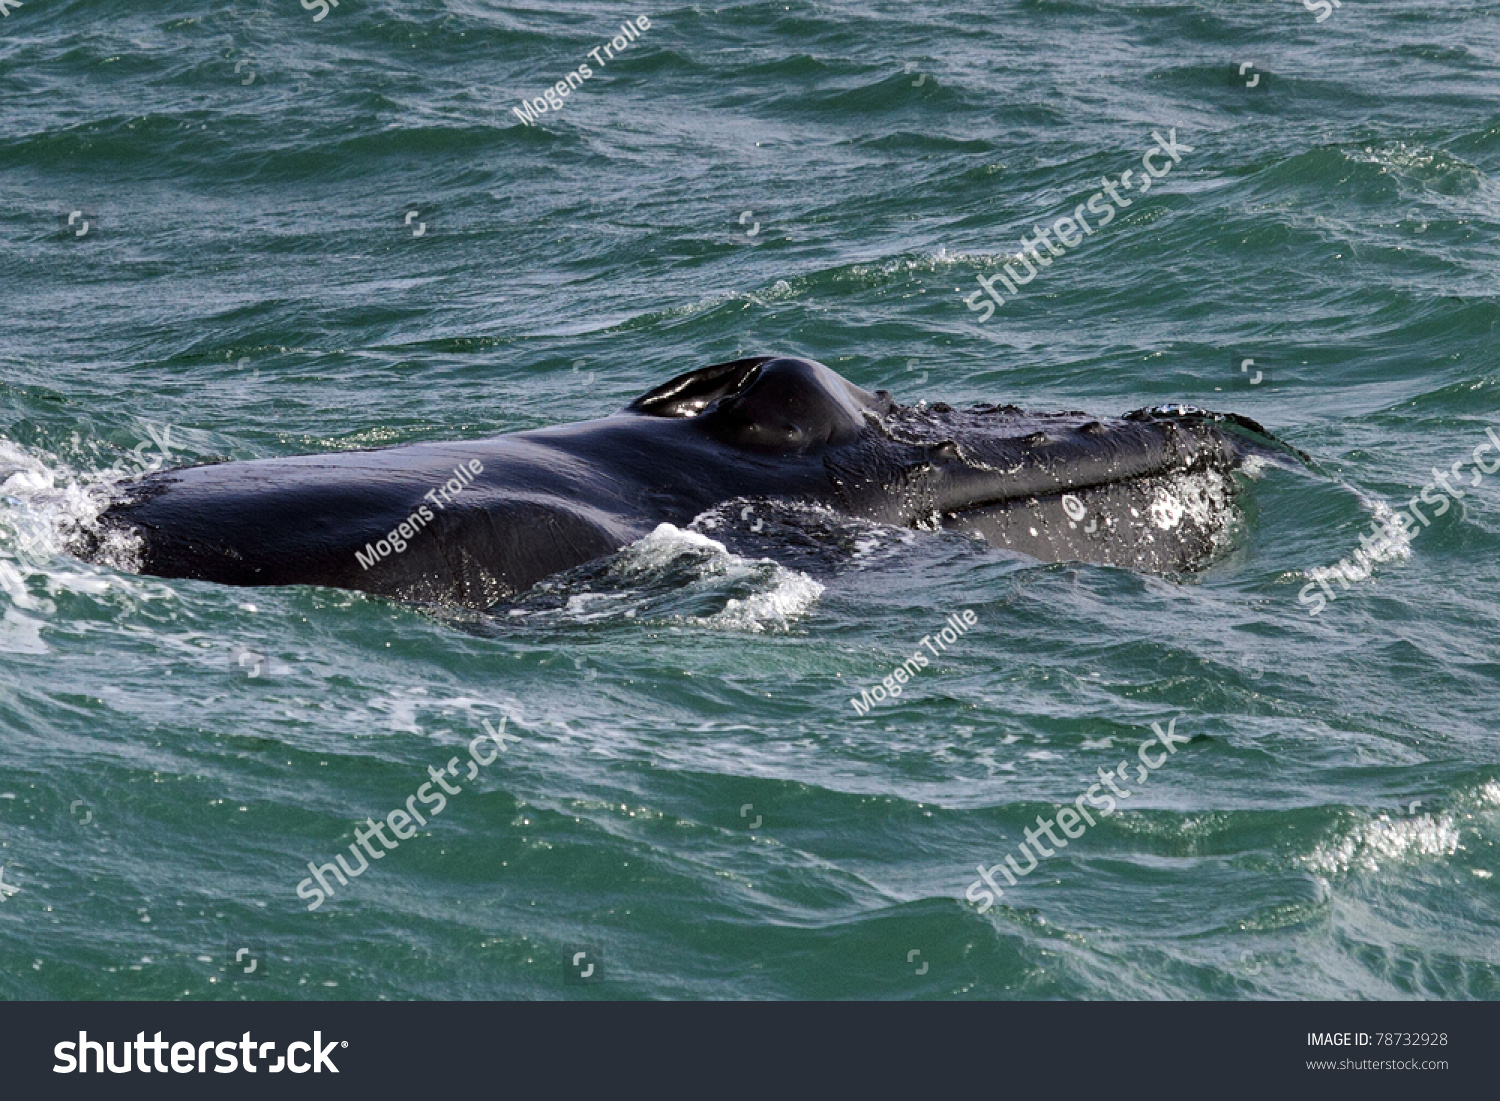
(673,576)
(1382,841)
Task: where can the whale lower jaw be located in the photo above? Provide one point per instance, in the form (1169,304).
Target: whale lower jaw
(1170,523)
(1152,491)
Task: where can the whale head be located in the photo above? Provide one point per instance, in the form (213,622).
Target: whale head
(1153,486)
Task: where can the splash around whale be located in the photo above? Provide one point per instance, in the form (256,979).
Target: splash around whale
(477,522)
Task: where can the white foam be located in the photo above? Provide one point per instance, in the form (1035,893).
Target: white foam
(784,594)
(1397,544)
(1254,466)
(41,501)
(1385,840)
(929,262)
(578,606)
(664,545)
(794,595)
(1389,839)
(20,634)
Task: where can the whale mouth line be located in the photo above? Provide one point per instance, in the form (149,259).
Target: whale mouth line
(1201,465)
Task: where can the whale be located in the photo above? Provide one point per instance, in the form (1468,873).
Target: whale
(477,522)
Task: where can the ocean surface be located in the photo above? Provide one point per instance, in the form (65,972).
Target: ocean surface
(248,232)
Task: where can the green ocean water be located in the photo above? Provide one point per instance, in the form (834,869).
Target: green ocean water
(310,236)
